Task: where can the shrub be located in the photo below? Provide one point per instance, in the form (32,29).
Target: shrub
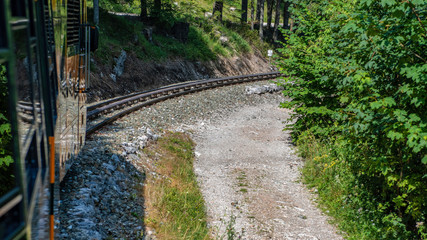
(357,71)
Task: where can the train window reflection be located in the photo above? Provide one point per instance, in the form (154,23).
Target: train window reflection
(25,108)
(11,221)
(7,166)
(3,35)
(34,74)
(18,8)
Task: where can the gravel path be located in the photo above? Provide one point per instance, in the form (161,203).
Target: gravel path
(249,178)
(100,194)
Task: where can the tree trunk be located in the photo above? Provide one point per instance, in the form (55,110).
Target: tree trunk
(276,20)
(258,9)
(96,12)
(144,14)
(286,15)
(261,19)
(244,11)
(270,4)
(157,7)
(218,6)
(252,14)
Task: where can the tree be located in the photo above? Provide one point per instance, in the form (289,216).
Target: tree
(96,12)
(144,14)
(244,11)
(276,20)
(258,10)
(286,14)
(252,14)
(270,5)
(157,7)
(261,19)
(218,6)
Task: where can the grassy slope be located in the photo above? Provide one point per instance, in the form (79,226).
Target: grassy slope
(117,32)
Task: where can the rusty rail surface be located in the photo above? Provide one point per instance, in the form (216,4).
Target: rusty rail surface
(142,99)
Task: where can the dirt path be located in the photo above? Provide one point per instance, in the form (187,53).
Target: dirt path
(248,172)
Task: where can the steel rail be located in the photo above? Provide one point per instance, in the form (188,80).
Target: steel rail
(150,97)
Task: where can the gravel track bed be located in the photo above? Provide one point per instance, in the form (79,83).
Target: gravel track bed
(101,193)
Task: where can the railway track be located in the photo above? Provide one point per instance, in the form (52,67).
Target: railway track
(104,113)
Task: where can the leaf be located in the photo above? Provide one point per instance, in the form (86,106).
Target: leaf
(6,160)
(424,160)
(387,2)
(375,105)
(394,135)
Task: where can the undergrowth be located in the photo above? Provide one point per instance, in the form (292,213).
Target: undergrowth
(356,210)
(175,204)
(357,79)
(120,33)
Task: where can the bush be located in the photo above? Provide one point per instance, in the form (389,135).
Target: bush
(357,72)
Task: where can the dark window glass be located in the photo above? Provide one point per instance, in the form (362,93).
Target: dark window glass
(23,66)
(11,221)
(18,8)
(3,41)
(31,167)
(32,18)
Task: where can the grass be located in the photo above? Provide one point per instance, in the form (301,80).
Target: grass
(175,205)
(119,33)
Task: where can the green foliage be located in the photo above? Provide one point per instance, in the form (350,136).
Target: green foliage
(117,32)
(6,159)
(357,71)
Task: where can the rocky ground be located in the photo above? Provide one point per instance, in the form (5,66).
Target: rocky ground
(250,179)
(101,194)
(129,74)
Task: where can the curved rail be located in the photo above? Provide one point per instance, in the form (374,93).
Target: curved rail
(146,98)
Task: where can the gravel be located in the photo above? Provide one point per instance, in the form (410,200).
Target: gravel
(102,192)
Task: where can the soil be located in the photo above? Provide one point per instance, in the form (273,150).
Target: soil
(139,75)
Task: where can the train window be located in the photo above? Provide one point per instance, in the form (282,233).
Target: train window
(10,217)
(73,22)
(3,40)
(18,8)
(31,167)
(11,221)
(7,166)
(34,71)
(25,108)
(44,156)
(32,18)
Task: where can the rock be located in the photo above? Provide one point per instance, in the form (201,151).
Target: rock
(208,14)
(263,89)
(151,135)
(109,167)
(254,89)
(223,40)
(148,34)
(120,64)
(115,158)
(113,76)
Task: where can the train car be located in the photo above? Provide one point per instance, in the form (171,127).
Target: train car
(44,73)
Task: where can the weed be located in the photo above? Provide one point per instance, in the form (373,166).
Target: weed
(244,190)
